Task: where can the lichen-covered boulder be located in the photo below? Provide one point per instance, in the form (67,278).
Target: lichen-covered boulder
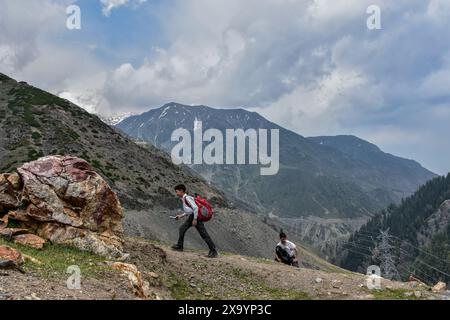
(65,201)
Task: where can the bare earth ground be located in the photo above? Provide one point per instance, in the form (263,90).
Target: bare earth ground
(189,275)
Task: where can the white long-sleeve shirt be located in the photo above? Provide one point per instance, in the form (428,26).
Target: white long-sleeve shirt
(289,247)
(193,209)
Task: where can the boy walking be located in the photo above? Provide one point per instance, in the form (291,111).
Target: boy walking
(190,209)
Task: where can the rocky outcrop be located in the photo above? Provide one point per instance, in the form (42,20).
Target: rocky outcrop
(61,199)
(140,287)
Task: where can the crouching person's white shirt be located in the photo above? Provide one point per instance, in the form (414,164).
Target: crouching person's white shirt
(289,247)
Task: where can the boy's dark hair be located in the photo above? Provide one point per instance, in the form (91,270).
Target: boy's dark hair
(283,235)
(181,187)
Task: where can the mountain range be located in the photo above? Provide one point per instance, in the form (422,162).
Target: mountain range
(326,188)
(332,177)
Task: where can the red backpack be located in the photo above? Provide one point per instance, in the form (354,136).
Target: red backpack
(205,212)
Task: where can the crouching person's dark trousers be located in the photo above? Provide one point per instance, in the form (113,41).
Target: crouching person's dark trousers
(286,258)
(201,230)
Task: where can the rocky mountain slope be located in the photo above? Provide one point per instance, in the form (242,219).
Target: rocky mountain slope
(418,239)
(34,123)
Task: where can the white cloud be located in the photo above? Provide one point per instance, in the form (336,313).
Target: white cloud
(109,5)
(20,30)
(310,65)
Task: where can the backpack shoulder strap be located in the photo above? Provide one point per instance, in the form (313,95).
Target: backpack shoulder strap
(187,202)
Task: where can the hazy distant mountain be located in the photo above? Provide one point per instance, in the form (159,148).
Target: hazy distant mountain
(331,177)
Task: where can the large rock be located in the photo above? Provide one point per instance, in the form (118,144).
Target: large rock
(10,258)
(65,201)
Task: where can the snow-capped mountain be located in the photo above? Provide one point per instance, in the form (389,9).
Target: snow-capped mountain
(117,118)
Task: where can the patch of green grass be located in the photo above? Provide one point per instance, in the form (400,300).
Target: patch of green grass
(179,287)
(36,135)
(56,259)
(393,294)
(9,167)
(29,118)
(280,294)
(34,155)
(97,164)
(13,224)
(72,134)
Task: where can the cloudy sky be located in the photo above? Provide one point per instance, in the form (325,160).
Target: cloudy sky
(312,66)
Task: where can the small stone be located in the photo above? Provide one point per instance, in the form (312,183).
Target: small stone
(336,284)
(192,285)
(418,294)
(439,287)
(408,294)
(34,296)
(153,275)
(318,280)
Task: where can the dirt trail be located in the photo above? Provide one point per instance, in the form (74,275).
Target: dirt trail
(190,275)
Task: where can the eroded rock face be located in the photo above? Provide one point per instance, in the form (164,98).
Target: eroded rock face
(9,196)
(65,201)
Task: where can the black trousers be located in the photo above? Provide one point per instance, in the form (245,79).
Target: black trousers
(285,257)
(201,230)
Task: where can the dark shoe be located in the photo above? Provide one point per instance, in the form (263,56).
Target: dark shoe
(213,254)
(177,248)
